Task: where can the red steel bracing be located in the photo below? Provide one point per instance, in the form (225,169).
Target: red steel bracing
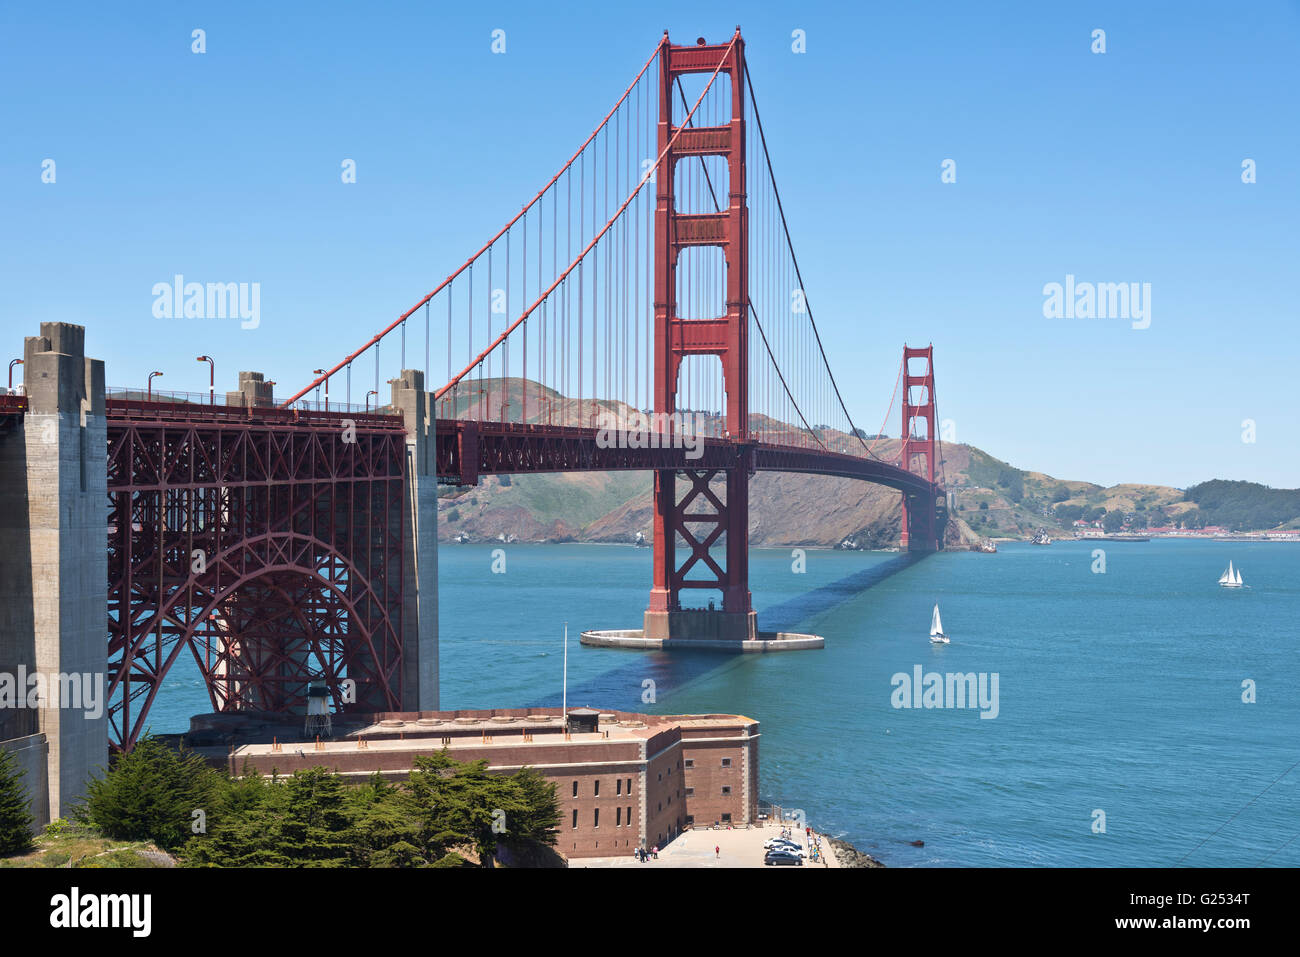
(266,542)
(920,528)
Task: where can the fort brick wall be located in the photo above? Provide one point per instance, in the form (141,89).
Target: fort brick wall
(623,786)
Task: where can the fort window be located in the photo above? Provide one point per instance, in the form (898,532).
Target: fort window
(596,792)
(575,818)
(575,788)
(629,815)
(595,818)
(726,762)
(726,819)
(726,789)
(618,817)
(690,791)
(618,785)
(629,785)
(690,762)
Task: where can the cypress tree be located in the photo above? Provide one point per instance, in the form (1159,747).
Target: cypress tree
(16,817)
(149,794)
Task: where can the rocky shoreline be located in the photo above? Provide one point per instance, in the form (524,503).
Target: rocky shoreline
(850,856)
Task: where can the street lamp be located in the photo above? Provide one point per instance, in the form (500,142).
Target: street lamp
(368,395)
(149,395)
(14,362)
(327,387)
(212,378)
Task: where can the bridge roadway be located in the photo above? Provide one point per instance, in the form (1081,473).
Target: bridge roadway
(468,449)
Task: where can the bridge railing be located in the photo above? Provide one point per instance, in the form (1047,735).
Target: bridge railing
(182,407)
(13,403)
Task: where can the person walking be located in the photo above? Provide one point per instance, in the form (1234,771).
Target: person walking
(717,851)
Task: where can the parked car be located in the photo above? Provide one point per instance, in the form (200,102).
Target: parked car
(778,856)
(783,845)
(779,842)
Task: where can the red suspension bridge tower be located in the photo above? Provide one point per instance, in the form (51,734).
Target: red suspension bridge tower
(924,516)
(700,517)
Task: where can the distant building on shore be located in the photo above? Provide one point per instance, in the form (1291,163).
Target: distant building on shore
(622,779)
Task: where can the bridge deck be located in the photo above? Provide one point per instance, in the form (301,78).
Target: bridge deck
(468,449)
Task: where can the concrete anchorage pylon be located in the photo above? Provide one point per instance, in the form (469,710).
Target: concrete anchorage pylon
(53,559)
(420,561)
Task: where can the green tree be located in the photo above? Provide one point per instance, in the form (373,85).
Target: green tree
(453,803)
(1068,513)
(244,830)
(314,819)
(384,831)
(1013,480)
(539,813)
(315,830)
(1113,521)
(16,819)
(149,794)
(304,820)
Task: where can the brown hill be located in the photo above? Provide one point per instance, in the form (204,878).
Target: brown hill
(990,498)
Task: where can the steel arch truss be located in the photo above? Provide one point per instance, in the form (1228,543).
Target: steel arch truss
(272,551)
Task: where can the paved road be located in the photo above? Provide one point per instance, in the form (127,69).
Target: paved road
(738,848)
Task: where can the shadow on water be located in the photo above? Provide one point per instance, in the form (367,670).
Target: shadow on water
(623,686)
(789,615)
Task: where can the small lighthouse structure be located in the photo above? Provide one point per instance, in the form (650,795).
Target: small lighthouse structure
(318,711)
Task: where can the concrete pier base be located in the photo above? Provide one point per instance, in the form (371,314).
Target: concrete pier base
(701,623)
(763,641)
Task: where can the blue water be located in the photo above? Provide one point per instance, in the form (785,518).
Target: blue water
(1119,692)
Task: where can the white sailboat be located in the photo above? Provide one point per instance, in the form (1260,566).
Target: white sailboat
(936,629)
(1231,578)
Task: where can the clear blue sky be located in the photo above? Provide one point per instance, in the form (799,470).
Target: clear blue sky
(1117,167)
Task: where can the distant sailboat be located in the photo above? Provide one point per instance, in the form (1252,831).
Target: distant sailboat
(1231,578)
(936,629)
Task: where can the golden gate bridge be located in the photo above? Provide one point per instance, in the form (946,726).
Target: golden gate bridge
(651,284)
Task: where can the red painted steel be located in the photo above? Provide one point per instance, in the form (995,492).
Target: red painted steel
(468,449)
(920,528)
(726,337)
(266,542)
(12,407)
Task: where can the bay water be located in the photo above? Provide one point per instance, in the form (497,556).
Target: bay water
(1124,735)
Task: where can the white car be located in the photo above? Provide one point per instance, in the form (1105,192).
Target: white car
(784,843)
